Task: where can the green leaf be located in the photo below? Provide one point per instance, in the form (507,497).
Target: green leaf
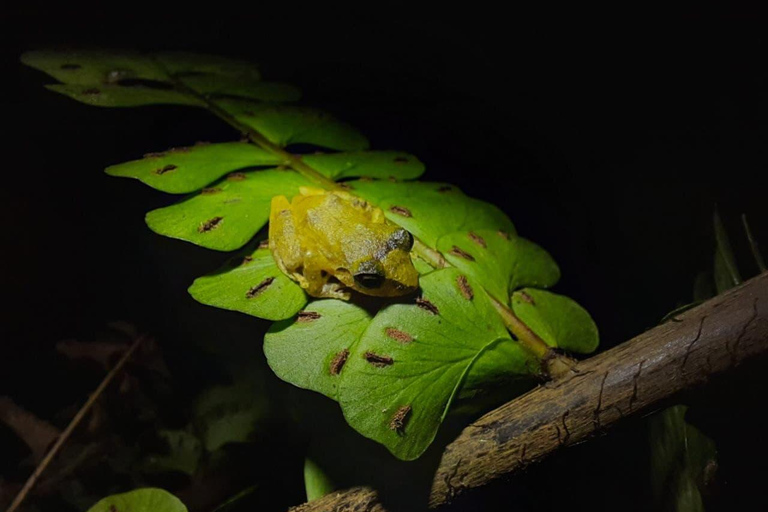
(402,375)
(184,170)
(557,319)
(499,364)
(182,455)
(501,263)
(371,164)
(140,500)
(680,458)
(316,482)
(431,210)
(253,284)
(225,216)
(222,85)
(311,351)
(121,96)
(726,272)
(189,64)
(756,254)
(94,67)
(284,125)
(230,414)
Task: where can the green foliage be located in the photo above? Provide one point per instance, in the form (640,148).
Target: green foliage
(316,482)
(394,366)
(140,500)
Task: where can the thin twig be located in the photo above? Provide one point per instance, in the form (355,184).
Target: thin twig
(30,483)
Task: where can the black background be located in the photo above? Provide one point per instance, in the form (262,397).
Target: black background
(607,143)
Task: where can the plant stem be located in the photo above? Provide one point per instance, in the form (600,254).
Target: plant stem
(73,425)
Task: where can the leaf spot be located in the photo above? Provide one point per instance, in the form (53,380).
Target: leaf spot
(259,288)
(308,316)
(527,298)
(398,335)
(167,168)
(156,154)
(236,176)
(91,92)
(247,260)
(427,306)
(461,253)
(400,210)
(445,188)
(400,160)
(264,244)
(71,67)
(210,224)
(400,418)
(477,239)
(503,234)
(378,360)
(209,191)
(465,288)
(338,361)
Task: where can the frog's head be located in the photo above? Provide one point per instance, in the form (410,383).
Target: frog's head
(389,271)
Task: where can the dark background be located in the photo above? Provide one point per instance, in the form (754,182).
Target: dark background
(609,145)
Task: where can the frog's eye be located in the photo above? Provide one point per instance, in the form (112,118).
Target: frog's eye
(370,274)
(400,239)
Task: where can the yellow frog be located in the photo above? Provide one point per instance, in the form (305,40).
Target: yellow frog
(333,242)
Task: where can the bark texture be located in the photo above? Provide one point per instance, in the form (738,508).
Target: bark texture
(680,354)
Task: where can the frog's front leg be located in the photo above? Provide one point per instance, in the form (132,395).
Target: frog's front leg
(321,283)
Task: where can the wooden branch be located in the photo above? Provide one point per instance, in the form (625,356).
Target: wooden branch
(680,354)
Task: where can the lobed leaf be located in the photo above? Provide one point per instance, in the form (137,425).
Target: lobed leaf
(140,500)
(121,96)
(430,210)
(184,170)
(498,261)
(252,284)
(227,215)
(310,351)
(94,67)
(402,375)
(371,164)
(557,319)
(283,125)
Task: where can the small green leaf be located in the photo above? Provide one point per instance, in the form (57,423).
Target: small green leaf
(371,164)
(225,216)
(311,350)
(182,455)
(184,170)
(221,85)
(252,284)
(756,254)
(121,96)
(284,125)
(401,377)
(726,272)
(431,210)
(230,414)
(557,319)
(190,64)
(140,500)
(316,482)
(501,263)
(87,67)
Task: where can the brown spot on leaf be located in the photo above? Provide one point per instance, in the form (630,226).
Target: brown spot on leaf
(398,335)
(209,191)
(392,179)
(477,239)
(308,316)
(112,508)
(464,287)
(259,288)
(378,360)
(400,160)
(427,306)
(400,210)
(247,260)
(461,253)
(338,361)
(91,92)
(366,178)
(345,186)
(236,176)
(70,67)
(527,298)
(167,168)
(202,143)
(445,188)
(264,244)
(503,234)
(210,224)
(157,154)
(400,418)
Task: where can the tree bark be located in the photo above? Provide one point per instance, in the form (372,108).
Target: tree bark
(680,354)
